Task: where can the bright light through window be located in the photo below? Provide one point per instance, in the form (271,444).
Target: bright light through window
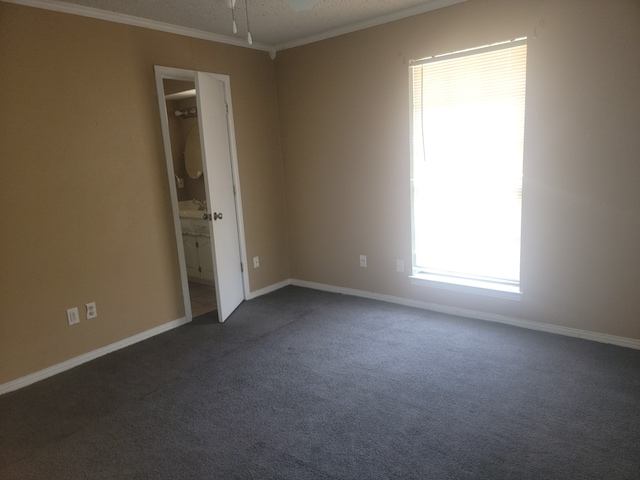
(467,149)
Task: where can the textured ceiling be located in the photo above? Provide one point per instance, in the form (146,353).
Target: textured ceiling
(274,24)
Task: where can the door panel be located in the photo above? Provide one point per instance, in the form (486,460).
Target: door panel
(216,157)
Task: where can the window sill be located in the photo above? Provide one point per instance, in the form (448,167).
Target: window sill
(467,286)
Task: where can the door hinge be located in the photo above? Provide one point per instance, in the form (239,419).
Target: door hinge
(241,267)
(200,269)
(227,107)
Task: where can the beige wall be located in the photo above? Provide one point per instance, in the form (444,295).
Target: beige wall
(84,197)
(345,120)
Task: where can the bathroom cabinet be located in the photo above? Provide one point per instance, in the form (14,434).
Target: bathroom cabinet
(197,250)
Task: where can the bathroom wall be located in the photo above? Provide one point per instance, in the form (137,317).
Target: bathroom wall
(179,130)
(194,188)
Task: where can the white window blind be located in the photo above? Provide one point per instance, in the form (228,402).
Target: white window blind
(467,151)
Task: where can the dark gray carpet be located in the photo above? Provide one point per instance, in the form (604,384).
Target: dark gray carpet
(304,384)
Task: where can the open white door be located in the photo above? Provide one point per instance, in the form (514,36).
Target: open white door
(216,159)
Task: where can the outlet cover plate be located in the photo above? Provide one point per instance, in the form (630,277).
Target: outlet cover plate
(92,312)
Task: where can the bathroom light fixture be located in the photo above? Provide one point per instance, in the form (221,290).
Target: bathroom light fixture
(187,112)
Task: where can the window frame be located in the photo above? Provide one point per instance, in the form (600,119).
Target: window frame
(430,278)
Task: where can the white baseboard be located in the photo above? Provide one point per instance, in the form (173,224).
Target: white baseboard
(271,288)
(461,312)
(79,360)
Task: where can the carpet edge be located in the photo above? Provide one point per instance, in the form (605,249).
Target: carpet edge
(477,315)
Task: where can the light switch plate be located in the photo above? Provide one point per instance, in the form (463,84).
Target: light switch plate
(73,316)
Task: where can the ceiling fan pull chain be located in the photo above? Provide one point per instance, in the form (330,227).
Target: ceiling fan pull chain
(249,39)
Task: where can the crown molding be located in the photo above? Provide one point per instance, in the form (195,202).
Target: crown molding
(373,22)
(57,6)
(90,12)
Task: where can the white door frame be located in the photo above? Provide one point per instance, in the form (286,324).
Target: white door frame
(171,73)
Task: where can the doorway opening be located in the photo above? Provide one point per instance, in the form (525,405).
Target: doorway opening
(181,104)
(199,140)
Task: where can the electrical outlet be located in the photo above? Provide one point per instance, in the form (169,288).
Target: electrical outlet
(363,261)
(400,265)
(256,262)
(73,316)
(180,182)
(91,310)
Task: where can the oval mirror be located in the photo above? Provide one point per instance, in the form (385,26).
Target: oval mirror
(192,155)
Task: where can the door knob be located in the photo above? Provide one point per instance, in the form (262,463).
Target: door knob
(217,216)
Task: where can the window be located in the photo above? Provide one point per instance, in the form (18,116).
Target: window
(467,150)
